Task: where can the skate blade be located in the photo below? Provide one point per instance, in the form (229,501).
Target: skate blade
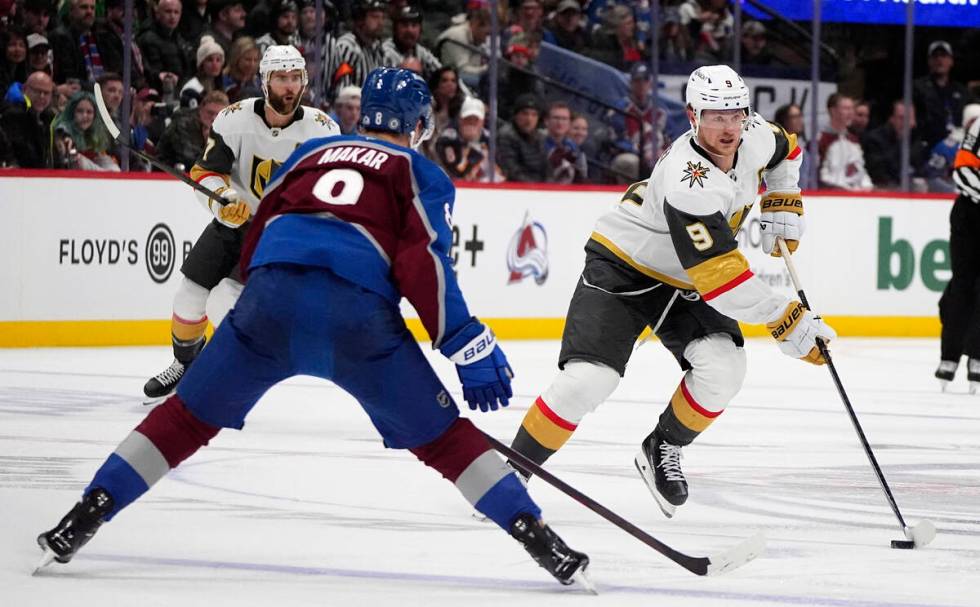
(974,386)
(943,385)
(152,401)
(643,467)
(582,579)
(46,559)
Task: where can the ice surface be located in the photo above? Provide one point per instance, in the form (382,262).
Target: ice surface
(306,507)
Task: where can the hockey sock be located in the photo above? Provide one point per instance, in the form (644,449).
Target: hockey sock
(685,418)
(542,432)
(167,436)
(464,457)
(189,320)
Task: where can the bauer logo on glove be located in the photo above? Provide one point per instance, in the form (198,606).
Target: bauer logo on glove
(782,217)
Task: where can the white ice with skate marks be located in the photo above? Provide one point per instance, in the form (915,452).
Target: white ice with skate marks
(305,507)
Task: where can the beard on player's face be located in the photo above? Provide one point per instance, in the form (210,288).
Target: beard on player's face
(284,104)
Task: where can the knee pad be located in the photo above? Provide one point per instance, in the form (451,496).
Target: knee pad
(190,301)
(579,388)
(717,369)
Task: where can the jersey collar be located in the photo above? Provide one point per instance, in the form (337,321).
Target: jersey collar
(704,153)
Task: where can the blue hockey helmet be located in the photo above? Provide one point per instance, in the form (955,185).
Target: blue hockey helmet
(395,100)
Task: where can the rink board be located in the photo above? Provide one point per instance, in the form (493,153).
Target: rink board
(90,260)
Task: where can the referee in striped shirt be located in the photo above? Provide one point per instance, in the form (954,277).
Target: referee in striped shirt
(358,52)
(959,307)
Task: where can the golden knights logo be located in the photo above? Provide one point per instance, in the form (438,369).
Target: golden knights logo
(695,174)
(261,173)
(231,109)
(527,254)
(320,119)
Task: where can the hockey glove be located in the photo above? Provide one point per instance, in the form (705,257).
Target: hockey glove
(481,365)
(231,211)
(797,331)
(782,217)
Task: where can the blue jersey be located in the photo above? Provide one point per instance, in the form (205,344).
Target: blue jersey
(374,213)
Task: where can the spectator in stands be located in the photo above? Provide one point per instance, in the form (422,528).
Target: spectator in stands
(141,121)
(938,99)
(13,68)
(109,34)
(7,158)
(675,41)
(36,15)
(464,152)
(447,100)
(790,117)
(183,141)
(474,32)
(166,54)
(520,147)
(404,42)
(755,46)
(615,42)
(77,53)
(28,125)
(359,51)
(580,135)
(567,27)
(512,80)
(227,20)
(862,116)
(112,93)
(634,143)
(566,162)
(347,109)
(883,150)
(39,55)
(529,18)
(210,63)
(241,77)
(841,158)
(62,93)
(194,19)
(80,140)
(283,26)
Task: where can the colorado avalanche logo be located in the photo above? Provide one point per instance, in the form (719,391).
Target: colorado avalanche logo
(527,254)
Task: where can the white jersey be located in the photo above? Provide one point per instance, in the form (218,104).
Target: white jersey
(679,226)
(243,151)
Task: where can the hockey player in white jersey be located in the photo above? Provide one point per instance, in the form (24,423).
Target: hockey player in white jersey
(249,140)
(666,257)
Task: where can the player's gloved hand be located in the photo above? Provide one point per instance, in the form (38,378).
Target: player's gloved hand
(231,211)
(782,217)
(797,331)
(481,365)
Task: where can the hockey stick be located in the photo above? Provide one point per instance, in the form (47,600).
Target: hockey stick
(114,133)
(711,565)
(924,532)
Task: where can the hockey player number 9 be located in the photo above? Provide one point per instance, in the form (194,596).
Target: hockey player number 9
(700,236)
(339,186)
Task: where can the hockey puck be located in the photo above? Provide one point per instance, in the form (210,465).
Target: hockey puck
(903,544)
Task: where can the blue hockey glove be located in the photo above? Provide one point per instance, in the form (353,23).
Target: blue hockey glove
(481,365)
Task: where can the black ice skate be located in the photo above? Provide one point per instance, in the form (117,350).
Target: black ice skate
(75,529)
(162,385)
(946,372)
(549,551)
(659,464)
(973,374)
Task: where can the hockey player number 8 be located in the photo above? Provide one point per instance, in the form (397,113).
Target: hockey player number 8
(339,186)
(700,237)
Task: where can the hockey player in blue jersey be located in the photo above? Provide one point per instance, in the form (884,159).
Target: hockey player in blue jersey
(348,226)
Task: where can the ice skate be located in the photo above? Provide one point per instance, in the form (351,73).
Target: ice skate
(548,550)
(973,374)
(659,464)
(75,529)
(162,385)
(947,371)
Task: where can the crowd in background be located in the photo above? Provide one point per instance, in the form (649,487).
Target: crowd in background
(190,58)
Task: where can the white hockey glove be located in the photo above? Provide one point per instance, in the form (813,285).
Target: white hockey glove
(797,331)
(231,211)
(782,217)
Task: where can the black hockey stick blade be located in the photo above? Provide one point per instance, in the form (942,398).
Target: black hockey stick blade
(166,168)
(723,562)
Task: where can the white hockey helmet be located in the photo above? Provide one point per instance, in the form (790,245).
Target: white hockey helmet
(281,58)
(716,87)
